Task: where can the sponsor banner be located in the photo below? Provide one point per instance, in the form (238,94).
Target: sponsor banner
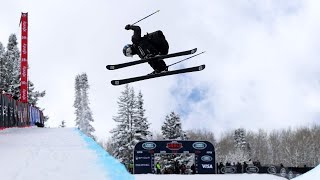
(206,158)
(199,145)
(286,172)
(24,58)
(252,169)
(228,170)
(17,114)
(148,145)
(201,154)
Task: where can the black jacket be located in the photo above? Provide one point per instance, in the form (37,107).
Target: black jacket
(143,46)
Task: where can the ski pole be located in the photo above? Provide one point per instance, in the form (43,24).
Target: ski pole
(186,58)
(145,17)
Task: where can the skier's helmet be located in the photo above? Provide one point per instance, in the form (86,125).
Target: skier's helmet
(127,50)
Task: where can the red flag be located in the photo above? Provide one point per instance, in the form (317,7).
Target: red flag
(24,58)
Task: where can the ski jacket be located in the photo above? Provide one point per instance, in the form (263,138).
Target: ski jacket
(150,44)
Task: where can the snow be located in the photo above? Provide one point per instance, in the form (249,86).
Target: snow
(311,175)
(66,153)
(51,154)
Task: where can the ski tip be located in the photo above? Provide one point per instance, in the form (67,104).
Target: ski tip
(202,67)
(193,50)
(115,82)
(110,67)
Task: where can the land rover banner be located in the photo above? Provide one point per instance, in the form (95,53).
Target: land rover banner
(174,157)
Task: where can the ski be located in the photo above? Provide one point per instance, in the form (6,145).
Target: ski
(150,76)
(131,63)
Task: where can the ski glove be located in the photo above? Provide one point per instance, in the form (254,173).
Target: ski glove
(127,27)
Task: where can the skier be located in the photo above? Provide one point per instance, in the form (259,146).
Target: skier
(150,45)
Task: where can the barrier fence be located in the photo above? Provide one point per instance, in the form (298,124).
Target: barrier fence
(286,172)
(14,113)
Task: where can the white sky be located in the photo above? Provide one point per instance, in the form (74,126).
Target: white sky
(262,59)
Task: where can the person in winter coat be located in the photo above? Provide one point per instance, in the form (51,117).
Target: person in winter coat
(150,45)
(158,168)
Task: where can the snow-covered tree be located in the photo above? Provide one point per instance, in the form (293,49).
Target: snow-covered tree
(33,95)
(123,134)
(132,125)
(81,103)
(224,147)
(141,124)
(10,72)
(77,101)
(11,67)
(2,67)
(242,149)
(201,134)
(172,128)
(259,146)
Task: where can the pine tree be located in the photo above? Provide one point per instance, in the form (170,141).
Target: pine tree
(11,70)
(2,66)
(33,96)
(10,73)
(83,111)
(132,125)
(172,129)
(242,147)
(141,124)
(123,134)
(77,101)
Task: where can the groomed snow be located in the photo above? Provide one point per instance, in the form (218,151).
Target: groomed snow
(54,154)
(66,153)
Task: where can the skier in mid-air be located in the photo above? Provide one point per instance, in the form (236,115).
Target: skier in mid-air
(150,45)
(152,48)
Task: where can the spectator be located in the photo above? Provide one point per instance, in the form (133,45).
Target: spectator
(245,165)
(158,167)
(220,166)
(176,167)
(39,124)
(183,169)
(193,169)
(281,165)
(239,167)
(131,168)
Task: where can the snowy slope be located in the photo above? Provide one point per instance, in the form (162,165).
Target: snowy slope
(51,154)
(313,174)
(67,154)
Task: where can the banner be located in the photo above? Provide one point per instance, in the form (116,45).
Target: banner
(17,114)
(163,157)
(24,58)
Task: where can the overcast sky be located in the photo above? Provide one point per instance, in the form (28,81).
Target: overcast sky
(262,59)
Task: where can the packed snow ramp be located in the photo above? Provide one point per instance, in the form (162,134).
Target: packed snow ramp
(51,154)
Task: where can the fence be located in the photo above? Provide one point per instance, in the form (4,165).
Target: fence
(14,113)
(286,172)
